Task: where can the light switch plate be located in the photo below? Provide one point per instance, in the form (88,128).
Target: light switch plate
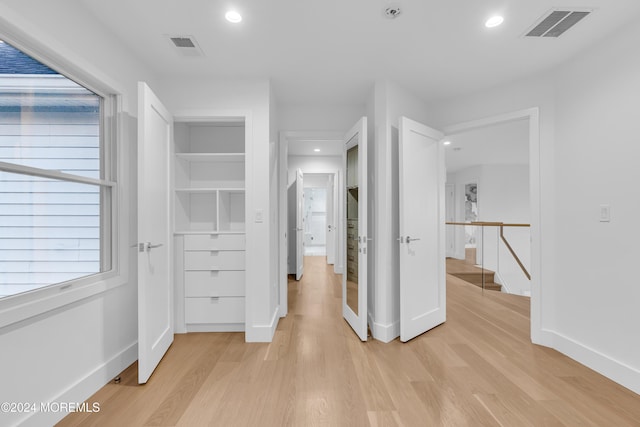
(259,215)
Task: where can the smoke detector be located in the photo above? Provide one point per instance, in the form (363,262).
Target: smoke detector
(392,12)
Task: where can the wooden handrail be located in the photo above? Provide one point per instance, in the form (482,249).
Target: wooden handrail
(504,239)
(488,224)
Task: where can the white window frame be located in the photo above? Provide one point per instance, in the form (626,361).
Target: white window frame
(20,307)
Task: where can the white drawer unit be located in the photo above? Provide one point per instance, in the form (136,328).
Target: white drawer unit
(214,310)
(214,242)
(214,260)
(214,283)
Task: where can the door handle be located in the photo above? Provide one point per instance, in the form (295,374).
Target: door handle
(299,229)
(409,239)
(149,246)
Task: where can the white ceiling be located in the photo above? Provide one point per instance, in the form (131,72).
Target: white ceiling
(331,52)
(499,144)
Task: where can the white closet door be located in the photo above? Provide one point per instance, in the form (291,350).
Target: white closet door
(155,291)
(299,224)
(354,279)
(422,255)
(331,228)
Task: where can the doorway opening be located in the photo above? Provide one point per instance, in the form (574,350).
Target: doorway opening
(320,225)
(497,157)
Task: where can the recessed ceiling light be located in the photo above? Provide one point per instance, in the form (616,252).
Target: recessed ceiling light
(233,16)
(447,143)
(317,150)
(494,21)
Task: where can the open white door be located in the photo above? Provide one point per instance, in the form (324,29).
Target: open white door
(299,224)
(155,291)
(354,281)
(422,255)
(331,227)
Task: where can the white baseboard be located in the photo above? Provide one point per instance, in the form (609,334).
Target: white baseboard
(623,374)
(263,333)
(384,333)
(85,387)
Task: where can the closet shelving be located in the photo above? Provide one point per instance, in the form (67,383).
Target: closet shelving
(209,219)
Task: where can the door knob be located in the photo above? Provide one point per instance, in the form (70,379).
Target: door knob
(149,246)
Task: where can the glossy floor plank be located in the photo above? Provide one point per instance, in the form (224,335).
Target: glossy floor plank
(477,369)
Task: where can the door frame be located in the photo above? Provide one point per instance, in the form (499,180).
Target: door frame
(283,237)
(533,115)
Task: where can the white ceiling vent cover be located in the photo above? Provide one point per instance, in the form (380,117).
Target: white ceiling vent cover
(185,45)
(556,22)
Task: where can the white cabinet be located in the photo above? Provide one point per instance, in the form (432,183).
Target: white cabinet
(209,224)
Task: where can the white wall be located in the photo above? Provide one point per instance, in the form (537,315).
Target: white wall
(206,96)
(503,195)
(597,152)
(69,353)
(274,204)
(587,306)
(318,118)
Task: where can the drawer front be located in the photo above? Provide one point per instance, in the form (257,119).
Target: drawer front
(214,283)
(214,310)
(214,260)
(214,242)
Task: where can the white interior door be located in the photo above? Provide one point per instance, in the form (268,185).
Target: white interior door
(155,291)
(331,228)
(422,255)
(354,279)
(299,224)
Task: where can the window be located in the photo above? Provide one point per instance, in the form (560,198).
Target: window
(56,177)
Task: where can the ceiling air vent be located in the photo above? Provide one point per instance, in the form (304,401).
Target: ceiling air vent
(556,22)
(186,45)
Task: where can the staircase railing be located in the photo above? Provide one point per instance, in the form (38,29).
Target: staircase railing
(500,226)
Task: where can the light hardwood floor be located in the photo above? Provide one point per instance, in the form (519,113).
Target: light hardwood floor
(478,369)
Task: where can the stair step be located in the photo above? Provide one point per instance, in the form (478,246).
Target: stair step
(476,277)
(489,284)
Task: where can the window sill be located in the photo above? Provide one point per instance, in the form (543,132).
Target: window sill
(21,307)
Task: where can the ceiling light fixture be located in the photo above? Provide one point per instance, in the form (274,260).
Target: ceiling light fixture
(233,16)
(494,21)
(317,150)
(447,143)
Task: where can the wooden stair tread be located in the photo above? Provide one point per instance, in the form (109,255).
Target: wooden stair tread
(472,274)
